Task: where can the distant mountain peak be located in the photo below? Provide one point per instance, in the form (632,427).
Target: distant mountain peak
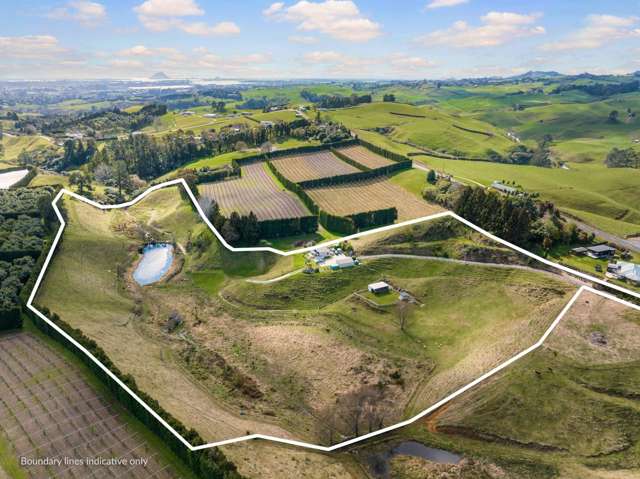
(159,76)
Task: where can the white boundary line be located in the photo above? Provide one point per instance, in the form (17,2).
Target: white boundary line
(307,445)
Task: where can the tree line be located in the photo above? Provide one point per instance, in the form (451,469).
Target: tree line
(335,101)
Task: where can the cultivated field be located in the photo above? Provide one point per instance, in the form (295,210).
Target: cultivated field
(312,166)
(255,191)
(47,409)
(365,157)
(350,198)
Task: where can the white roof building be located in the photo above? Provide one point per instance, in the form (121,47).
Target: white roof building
(379,287)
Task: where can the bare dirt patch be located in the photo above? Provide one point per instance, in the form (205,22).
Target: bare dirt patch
(598,330)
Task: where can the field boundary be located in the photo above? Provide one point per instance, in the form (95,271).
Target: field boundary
(181,181)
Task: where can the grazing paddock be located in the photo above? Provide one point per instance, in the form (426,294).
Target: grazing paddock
(48,410)
(357,197)
(256,191)
(365,157)
(312,166)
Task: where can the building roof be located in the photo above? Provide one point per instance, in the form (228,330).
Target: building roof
(601,248)
(502,187)
(629,270)
(343,260)
(378,285)
(579,249)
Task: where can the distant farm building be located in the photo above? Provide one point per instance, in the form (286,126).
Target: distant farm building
(187,113)
(509,190)
(266,123)
(379,288)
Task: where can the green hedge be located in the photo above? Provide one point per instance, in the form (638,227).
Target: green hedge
(296,188)
(349,161)
(291,151)
(358,176)
(357,222)
(337,224)
(207,464)
(288,226)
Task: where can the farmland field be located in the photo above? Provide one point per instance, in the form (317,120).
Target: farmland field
(365,157)
(47,409)
(312,166)
(350,198)
(427,127)
(256,191)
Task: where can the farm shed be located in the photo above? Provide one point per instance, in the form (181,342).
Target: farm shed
(580,251)
(341,262)
(379,287)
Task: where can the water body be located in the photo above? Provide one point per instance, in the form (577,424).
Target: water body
(379,463)
(11,177)
(156,261)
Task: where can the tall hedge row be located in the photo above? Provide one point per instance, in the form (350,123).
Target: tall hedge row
(207,464)
(291,151)
(288,226)
(357,176)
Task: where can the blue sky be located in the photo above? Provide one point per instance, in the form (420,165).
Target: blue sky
(403,39)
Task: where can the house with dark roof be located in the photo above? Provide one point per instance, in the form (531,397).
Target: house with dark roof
(601,251)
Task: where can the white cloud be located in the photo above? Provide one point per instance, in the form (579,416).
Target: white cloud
(163,15)
(599,30)
(202,29)
(83,11)
(273,9)
(30,47)
(136,51)
(303,39)
(497,28)
(340,19)
(445,3)
(339,64)
(169,8)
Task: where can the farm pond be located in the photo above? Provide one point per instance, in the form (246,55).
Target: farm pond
(379,462)
(156,261)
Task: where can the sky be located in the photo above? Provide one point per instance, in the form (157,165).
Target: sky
(340,39)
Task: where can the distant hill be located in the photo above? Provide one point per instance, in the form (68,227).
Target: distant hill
(159,76)
(535,75)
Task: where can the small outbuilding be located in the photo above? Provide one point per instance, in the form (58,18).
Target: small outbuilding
(579,251)
(379,288)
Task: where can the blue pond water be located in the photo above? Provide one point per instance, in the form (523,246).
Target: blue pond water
(156,261)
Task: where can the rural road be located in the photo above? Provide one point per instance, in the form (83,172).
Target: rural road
(433,258)
(420,166)
(631,245)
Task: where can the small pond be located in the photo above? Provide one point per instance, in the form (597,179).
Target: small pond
(379,463)
(9,178)
(156,261)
